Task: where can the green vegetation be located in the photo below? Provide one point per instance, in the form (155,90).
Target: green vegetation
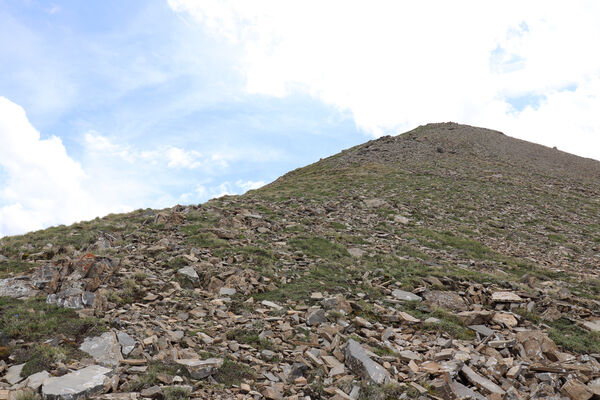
(573,338)
(176,393)
(319,247)
(42,357)
(233,373)
(448,324)
(251,337)
(150,377)
(12,267)
(206,239)
(35,320)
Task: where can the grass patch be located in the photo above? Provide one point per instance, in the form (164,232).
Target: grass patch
(176,393)
(448,324)
(233,373)
(319,247)
(573,338)
(150,377)
(250,337)
(34,320)
(42,357)
(207,240)
(13,267)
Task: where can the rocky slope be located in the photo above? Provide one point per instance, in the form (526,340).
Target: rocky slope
(449,262)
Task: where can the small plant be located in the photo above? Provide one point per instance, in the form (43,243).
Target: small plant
(176,393)
(42,357)
(233,373)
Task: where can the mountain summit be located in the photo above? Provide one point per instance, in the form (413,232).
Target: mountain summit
(447,262)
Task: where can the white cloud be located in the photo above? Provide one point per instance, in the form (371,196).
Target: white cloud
(42,185)
(206,192)
(396,65)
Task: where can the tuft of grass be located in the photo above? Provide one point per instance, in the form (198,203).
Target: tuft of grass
(233,373)
(176,393)
(43,357)
(27,395)
(319,247)
(207,240)
(149,378)
(251,337)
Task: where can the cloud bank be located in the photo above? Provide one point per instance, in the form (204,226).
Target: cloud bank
(396,65)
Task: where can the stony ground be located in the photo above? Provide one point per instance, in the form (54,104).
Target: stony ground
(450,262)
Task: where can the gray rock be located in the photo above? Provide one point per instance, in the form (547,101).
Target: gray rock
(226,291)
(199,369)
(315,316)
(153,392)
(188,275)
(46,278)
(360,363)
(482,383)
(463,392)
(77,384)
(13,374)
(105,349)
(127,343)
(405,296)
(35,381)
(482,330)
(3,258)
(356,252)
(449,300)
(16,288)
(72,298)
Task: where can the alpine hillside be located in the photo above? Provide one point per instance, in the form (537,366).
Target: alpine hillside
(449,262)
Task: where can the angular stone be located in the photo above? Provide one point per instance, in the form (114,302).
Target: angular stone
(506,297)
(576,390)
(405,296)
(538,346)
(463,392)
(593,326)
(475,317)
(13,374)
(484,384)
(36,380)
(188,275)
(105,349)
(77,384)
(315,316)
(505,319)
(16,288)
(356,252)
(271,304)
(360,363)
(127,343)
(449,300)
(482,330)
(594,386)
(227,291)
(337,303)
(200,369)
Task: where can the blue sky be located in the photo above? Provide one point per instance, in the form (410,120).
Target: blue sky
(115,105)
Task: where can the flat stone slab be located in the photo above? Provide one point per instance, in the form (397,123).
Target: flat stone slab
(358,361)
(506,297)
(127,342)
(77,384)
(105,349)
(13,374)
(200,369)
(481,382)
(405,296)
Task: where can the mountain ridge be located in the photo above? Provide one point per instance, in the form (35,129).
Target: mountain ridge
(447,262)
